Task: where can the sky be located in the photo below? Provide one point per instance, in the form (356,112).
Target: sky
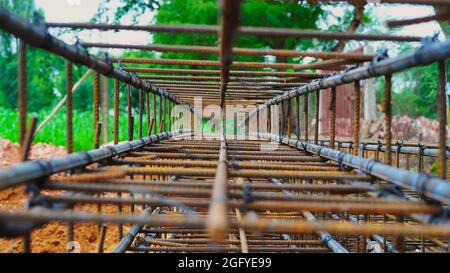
(84,10)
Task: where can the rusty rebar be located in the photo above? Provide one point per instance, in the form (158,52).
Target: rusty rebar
(29,137)
(141,114)
(148,113)
(22,89)
(37,36)
(306,117)
(155,121)
(356,117)
(442,115)
(316,130)
(116,112)
(69,106)
(130,114)
(387,109)
(332,121)
(251,225)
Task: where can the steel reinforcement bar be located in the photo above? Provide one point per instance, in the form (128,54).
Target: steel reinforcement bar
(236,51)
(253,31)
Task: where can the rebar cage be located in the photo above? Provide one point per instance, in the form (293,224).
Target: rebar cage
(279,187)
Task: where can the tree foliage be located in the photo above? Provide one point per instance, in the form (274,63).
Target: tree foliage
(44,76)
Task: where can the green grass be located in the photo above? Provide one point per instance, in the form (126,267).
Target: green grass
(55,131)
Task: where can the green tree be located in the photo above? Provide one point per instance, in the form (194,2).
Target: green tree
(253,13)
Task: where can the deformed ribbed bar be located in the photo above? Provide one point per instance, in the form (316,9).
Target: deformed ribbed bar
(424,150)
(128,239)
(26,219)
(324,236)
(38,37)
(232,72)
(442,114)
(229,21)
(22,92)
(324,64)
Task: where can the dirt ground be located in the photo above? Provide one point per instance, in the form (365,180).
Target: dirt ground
(53,236)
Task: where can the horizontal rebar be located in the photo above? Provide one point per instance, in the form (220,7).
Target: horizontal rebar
(303,75)
(10,220)
(257,31)
(236,51)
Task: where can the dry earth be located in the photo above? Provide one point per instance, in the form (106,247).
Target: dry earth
(51,237)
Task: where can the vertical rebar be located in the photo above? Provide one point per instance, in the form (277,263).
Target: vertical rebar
(289,118)
(141,113)
(442,115)
(70,234)
(236,127)
(147,110)
(116,112)
(387,108)
(130,114)
(104,99)
(96,96)
(280,121)
(299,126)
(155,122)
(22,93)
(26,242)
(28,140)
(305,109)
(69,106)
(356,115)
(192,125)
(316,130)
(400,240)
(332,110)
(120,209)
(169,125)
(101,238)
(165,114)
(217,221)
